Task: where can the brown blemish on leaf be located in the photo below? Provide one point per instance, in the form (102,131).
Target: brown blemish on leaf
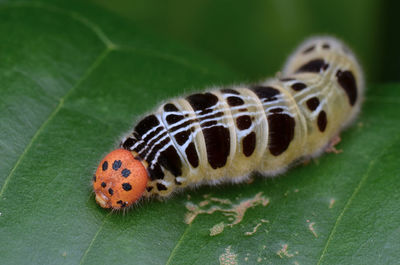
(236,211)
(217,229)
(222,201)
(283,252)
(331,203)
(228,257)
(254,230)
(256,227)
(204,203)
(311,228)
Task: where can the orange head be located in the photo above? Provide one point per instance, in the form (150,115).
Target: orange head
(120,180)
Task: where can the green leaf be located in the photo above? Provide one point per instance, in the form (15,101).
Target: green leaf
(74,78)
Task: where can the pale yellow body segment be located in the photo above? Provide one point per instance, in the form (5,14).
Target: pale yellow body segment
(225,134)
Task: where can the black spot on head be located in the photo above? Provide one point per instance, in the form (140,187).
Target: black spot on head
(348,83)
(126,186)
(169,107)
(105,166)
(281,132)
(110,190)
(117,164)
(128,143)
(312,103)
(235,101)
(309,49)
(125,173)
(298,86)
(313,66)
(326,46)
(94,178)
(229,91)
(322,121)
(149,189)
(249,144)
(161,187)
(123,204)
(191,155)
(103,184)
(266,93)
(243,122)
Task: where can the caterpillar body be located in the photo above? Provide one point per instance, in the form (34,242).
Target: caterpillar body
(227,133)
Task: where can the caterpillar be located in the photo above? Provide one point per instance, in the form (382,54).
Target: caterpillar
(225,134)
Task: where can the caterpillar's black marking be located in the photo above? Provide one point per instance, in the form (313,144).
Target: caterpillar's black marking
(243,122)
(235,101)
(322,121)
(229,91)
(309,49)
(313,66)
(312,103)
(266,93)
(161,187)
(249,144)
(281,132)
(191,154)
(348,83)
(170,107)
(298,86)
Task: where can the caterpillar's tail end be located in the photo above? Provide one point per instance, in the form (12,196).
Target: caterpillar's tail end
(120,180)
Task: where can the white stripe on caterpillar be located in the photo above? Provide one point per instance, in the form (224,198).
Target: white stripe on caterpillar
(227,133)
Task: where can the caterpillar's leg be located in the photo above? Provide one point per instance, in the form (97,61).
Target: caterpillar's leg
(330,148)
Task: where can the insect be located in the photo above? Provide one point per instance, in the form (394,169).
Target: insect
(225,134)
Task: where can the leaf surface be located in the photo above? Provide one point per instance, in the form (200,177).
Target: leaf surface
(75,78)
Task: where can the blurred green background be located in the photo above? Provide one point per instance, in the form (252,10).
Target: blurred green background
(255,37)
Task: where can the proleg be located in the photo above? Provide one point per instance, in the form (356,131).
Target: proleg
(225,134)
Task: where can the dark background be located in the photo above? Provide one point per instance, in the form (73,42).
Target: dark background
(255,37)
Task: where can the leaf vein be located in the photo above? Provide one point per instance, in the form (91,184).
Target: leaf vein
(178,244)
(350,200)
(94,238)
(74,15)
(94,65)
